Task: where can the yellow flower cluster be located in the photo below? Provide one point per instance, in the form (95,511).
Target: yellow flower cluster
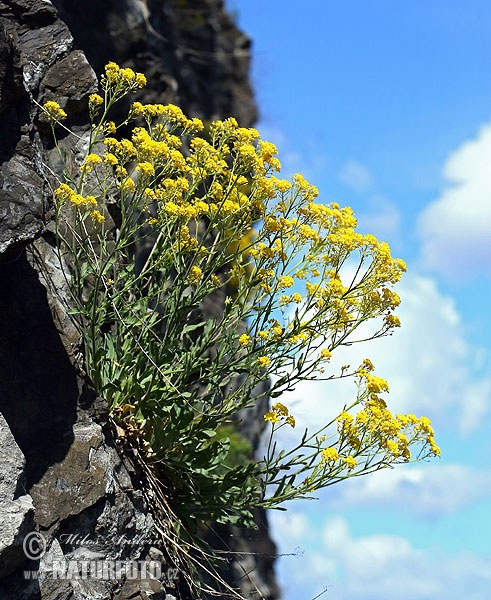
(279,413)
(330,456)
(377,428)
(195,275)
(245,340)
(264,361)
(207,160)
(166,115)
(95,102)
(54,111)
(91,160)
(65,193)
(374,430)
(118,81)
(226,178)
(185,241)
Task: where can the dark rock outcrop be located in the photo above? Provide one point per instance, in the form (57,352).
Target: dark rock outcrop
(60,473)
(192,53)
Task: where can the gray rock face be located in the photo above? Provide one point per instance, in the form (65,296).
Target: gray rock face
(192,53)
(60,473)
(16,516)
(32,38)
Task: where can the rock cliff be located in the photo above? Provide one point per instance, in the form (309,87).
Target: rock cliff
(65,491)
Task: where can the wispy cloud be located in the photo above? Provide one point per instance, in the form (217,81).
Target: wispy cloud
(380,567)
(357,177)
(428,490)
(385,566)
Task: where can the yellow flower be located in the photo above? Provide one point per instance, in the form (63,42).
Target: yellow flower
(350,462)
(145,168)
(392,321)
(281,409)
(111,70)
(95,99)
(330,455)
(90,161)
(110,127)
(110,159)
(128,148)
(277,331)
(195,125)
(263,361)
(94,103)
(77,199)
(325,353)
(195,274)
(271,416)
(97,216)
(367,365)
(64,192)
(54,111)
(141,80)
(90,201)
(122,79)
(285,281)
(128,185)
(393,448)
(267,150)
(376,384)
(282,185)
(434,448)
(307,233)
(244,339)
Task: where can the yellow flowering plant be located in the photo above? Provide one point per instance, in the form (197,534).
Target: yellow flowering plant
(299,281)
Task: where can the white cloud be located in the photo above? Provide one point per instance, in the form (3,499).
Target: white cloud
(295,526)
(429,490)
(356,177)
(455,230)
(384,567)
(380,567)
(367,557)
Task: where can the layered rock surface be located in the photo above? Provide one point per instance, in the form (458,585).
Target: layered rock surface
(60,473)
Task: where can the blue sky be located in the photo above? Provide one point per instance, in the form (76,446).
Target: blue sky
(386,106)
